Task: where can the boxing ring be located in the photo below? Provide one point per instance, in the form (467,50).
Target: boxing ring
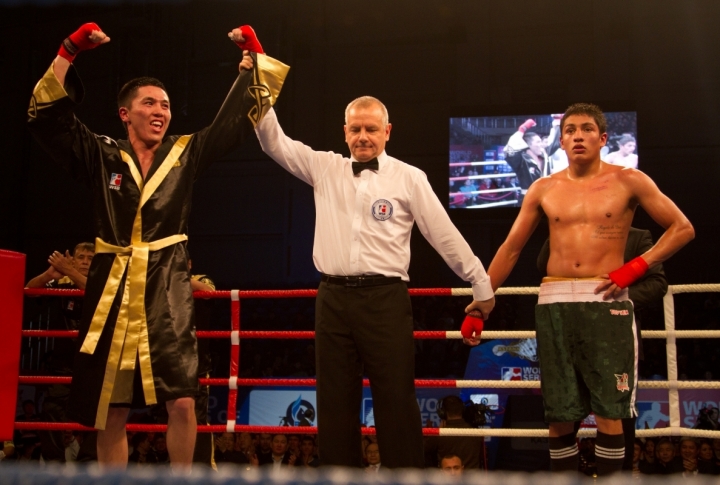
(12,280)
(503,196)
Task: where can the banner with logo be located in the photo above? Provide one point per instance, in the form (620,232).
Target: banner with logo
(282,407)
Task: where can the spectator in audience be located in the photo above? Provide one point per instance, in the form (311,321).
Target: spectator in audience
(706,459)
(8,451)
(265,453)
(245,444)
(452,465)
(468,187)
(231,451)
(280,456)
(648,459)
(203,452)
(468,448)
(689,451)
(142,450)
(667,463)
(637,455)
(66,270)
(27,439)
(372,452)
(308,457)
(223,446)
(160,448)
(294,444)
(72,446)
(28,449)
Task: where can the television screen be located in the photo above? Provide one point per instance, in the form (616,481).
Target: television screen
(494,159)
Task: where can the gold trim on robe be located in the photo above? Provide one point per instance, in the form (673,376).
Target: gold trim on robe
(268,80)
(47,91)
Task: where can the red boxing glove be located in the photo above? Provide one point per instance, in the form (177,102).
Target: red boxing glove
(526,126)
(473,323)
(79,41)
(251,43)
(630,272)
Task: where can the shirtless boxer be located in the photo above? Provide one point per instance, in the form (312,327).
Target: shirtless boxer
(584,319)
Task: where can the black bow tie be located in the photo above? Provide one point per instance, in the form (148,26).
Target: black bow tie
(360,166)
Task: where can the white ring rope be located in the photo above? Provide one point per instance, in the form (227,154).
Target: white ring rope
(656,334)
(672,384)
(536,384)
(487,191)
(484,176)
(486,162)
(583,433)
(534,290)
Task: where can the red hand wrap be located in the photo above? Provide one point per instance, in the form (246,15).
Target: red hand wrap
(526,126)
(251,43)
(473,323)
(630,272)
(79,41)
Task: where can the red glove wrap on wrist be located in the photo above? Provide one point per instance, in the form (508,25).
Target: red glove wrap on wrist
(526,126)
(251,43)
(78,41)
(473,323)
(630,272)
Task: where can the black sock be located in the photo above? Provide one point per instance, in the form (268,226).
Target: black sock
(564,453)
(609,453)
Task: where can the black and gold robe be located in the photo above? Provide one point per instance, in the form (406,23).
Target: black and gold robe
(138,312)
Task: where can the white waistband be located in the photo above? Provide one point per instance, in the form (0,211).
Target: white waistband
(574,290)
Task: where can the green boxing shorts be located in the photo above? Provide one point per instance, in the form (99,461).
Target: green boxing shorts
(587,349)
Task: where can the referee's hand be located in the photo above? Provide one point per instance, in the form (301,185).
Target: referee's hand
(484,307)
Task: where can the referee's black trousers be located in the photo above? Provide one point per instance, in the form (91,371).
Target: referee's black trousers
(366,329)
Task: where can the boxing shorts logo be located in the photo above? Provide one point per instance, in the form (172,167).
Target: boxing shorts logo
(619,312)
(382,209)
(622,382)
(115,181)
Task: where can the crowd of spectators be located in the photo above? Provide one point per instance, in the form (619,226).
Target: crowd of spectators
(663,456)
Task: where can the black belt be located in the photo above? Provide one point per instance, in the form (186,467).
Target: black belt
(360,280)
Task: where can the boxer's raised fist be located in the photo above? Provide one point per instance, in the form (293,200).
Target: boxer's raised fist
(526,126)
(246,39)
(88,36)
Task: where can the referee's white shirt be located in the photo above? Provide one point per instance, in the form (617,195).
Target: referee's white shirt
(363,223)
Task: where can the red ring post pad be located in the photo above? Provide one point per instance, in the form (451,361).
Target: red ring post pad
(629,273)
(12,281)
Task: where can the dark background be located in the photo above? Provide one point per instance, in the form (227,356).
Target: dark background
(252,224)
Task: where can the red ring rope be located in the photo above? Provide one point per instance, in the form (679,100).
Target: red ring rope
(215,428)
(224,381)
(269,334)
(233,382)
(241,294)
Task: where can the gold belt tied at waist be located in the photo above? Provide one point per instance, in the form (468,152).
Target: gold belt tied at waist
(131,331)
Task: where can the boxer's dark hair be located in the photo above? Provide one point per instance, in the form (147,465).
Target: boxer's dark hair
(129,90)
(529,135)
(587,109)
(625,139)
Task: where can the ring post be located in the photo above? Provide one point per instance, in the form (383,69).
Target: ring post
(12,280)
